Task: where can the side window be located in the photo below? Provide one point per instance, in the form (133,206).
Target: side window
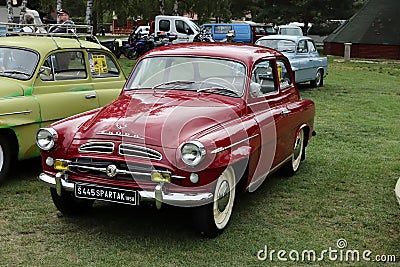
(262,79)
(302,47)
(285,80)
(180,26)
(222,29)
(311,47)
(64,66)
(183,27)
(102,65)
(165,25)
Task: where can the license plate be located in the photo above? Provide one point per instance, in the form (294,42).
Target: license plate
(117,195)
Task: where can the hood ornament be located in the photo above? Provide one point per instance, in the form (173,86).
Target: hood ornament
(120,127)
(120,132)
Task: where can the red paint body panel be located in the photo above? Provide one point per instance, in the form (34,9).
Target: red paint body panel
(232,129)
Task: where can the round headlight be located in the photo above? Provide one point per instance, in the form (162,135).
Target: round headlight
(192,153)
(46,138)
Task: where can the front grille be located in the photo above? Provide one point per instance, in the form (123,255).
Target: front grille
(123,150)
(97,147)
(138,151)
(95,167)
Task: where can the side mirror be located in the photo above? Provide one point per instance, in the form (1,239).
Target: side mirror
(45,71)
(255,89)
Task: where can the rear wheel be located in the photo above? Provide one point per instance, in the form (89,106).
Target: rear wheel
(211,219)
(291,167)
(131,54)
(5,157)
(319,79)
(68,204)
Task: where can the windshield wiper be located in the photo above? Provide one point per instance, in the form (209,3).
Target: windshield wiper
(175,83)
(217,88)
(15,72)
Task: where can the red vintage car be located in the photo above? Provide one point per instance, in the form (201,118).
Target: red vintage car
(194,124)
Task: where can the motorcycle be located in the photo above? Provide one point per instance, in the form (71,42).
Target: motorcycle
(203,36)
(137,45)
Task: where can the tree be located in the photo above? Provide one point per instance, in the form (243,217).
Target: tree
(23,10)
(89,8)
(305,11)
(59,6)
(10,11)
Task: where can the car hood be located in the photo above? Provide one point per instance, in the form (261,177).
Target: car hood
(10,88)
(160,120)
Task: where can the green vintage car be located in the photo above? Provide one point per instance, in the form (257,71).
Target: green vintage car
(44,79)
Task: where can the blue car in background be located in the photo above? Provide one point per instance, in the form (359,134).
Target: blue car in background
(303,56)
(243,31)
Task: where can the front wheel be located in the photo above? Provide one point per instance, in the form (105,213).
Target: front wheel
(68,204)
(211,219)
(5,157)
(319,79)
(291,167)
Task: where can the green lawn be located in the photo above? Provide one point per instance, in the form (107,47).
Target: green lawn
(344,190)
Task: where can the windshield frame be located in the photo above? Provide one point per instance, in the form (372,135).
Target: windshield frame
(31,67)
(241,71)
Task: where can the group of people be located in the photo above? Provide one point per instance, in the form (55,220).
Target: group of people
(63,27)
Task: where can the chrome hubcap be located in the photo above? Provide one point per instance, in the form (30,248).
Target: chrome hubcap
(1,158)
(298,149)
(223,196)
(318,78)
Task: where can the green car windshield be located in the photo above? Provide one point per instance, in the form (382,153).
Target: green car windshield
(17,63)
(212,75)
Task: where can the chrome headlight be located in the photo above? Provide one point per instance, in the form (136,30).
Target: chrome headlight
(192,153)
(46,138)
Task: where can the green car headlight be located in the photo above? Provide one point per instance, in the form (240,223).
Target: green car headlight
(192,153)
(46,138)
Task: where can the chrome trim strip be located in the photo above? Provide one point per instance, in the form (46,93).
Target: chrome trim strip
(26,112)
(177,199)
(220,149)
(121,135)
(104,145)
(117,171)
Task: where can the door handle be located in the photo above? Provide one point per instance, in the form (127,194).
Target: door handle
(285,112)
(90,96)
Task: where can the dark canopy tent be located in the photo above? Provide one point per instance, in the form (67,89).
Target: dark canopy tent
(374,32)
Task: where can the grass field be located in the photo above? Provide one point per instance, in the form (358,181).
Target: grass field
(343,192)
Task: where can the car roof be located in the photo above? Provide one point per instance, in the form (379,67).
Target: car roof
(44,44)
(294,38)
(235,51)
(289,26)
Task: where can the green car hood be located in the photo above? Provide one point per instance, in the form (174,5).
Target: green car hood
(10,88)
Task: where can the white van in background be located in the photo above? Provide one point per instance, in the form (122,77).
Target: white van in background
(183,27)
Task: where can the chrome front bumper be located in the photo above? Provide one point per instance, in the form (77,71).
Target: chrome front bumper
(159,195)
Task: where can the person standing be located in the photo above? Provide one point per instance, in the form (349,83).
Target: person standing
(30,21)
(65,23)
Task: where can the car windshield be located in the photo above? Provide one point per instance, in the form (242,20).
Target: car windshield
(278,44)
(209,75)
(17,63)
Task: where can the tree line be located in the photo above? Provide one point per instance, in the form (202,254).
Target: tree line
(263,11)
